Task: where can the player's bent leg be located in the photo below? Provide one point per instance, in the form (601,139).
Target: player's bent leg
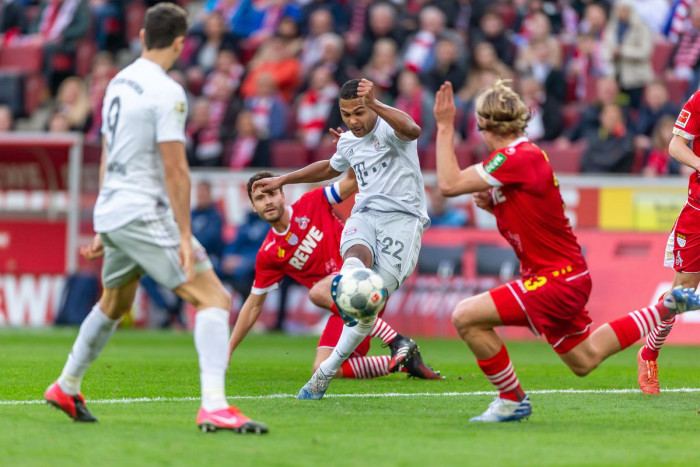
(320,293)
(474,319)
(323,353)
(95,331)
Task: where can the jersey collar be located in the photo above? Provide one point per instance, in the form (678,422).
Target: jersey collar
(522,139)
(289,208)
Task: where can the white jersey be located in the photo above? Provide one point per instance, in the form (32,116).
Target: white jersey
(142,107)
(388,172)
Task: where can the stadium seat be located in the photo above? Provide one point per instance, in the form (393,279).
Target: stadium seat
(492,260)
(661,56)
(288,154)
(564,160)
(84,53)
(677,90)
(444,261)
(463,151)
(324,151)
(23,58)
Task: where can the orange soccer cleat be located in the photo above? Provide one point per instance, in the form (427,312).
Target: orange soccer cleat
(73,406)
(647,374)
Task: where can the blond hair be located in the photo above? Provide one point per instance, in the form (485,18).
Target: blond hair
(500,110)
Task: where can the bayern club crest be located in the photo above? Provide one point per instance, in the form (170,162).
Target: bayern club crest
(303,222)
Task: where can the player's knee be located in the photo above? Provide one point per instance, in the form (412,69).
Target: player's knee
(319,296)
(582,369)
(463,316)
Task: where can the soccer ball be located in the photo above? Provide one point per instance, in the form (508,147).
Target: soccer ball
(361,293)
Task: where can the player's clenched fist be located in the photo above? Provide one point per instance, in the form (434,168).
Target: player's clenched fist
(93,251)
(365,90)
(444,108)
(268,184)
(483,200)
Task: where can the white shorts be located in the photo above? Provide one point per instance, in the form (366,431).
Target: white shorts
(393,238)
(148,247)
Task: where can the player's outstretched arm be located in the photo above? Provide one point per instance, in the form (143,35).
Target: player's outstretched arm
(451,180)
(404,126)
(246,319)
(347,185)
(316,172)
(678,149)
(178,185)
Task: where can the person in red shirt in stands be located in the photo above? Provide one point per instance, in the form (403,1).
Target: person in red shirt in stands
(518,186)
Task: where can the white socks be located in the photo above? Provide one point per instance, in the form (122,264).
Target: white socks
(351,264)
(211,341)
(94,333)
(348,342)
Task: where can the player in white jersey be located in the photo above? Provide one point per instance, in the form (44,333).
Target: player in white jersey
(386,226)
(142,217)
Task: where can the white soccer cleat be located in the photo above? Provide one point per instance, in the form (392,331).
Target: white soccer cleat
(316,387)
(505,410)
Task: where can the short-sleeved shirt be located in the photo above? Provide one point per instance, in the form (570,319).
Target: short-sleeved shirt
(688,126)
(308,250)
(389,178)
(142,107)
(529,209)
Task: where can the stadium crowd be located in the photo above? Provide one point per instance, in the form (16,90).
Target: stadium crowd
(604,80)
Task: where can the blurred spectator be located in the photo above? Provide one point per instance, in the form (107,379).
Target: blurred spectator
(59,27)
(167,301)
(656,105)
(382,24)
(226,8)
(334,58)
(543,63)
(207,223)
(540,37)
(58,123)
(204,146)
(202,48)
(13,20)
(339,11)
(383,67)
(442,214)
(248,149)
(627,46)
(103,70)
(420,47)
(595,19)
(320,23)
(238,261)
(485,64)
(610,150)
(547,122)
(492,30)
(447,66)
(659,161)
(686,58)
(273,58)
(315,106)
(586,65)
(269,110)
(256,21)
(418,103)
(654,13)
(73,101)
(288,31)
(109,20)
(7,121)
(607,93)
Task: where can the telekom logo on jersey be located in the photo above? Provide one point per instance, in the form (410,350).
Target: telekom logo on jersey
(308,245)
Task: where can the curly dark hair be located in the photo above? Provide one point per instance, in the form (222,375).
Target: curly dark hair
(349,89)
(258,176)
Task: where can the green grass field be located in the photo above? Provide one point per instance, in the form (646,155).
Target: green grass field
(386,421)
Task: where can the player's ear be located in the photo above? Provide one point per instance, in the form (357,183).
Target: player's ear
(142,37)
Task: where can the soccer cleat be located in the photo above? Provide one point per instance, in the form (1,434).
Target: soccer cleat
(402,348)
(505,410)
(647,374)
(316,387)
(682,299)
(73,406)
(334,294)
(415,367)
(229,418)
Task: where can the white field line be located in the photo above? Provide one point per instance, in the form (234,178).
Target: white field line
(359,396)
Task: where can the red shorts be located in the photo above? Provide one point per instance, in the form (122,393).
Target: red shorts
(683,246)
(553,306)
(331,335)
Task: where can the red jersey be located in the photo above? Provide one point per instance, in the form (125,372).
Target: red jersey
(308,250)
(688,126)
(529,209)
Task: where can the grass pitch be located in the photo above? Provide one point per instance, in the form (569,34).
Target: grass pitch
(385,421)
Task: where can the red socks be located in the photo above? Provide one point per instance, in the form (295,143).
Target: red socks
(499,371)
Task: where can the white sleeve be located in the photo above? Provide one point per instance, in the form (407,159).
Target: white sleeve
(171,113)
(387,133)
(339,162)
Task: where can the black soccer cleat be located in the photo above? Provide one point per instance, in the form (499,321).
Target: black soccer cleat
(415,367)
(402,348)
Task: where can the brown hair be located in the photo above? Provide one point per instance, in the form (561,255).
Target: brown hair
(164,22)
(500,110)
(258,176)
